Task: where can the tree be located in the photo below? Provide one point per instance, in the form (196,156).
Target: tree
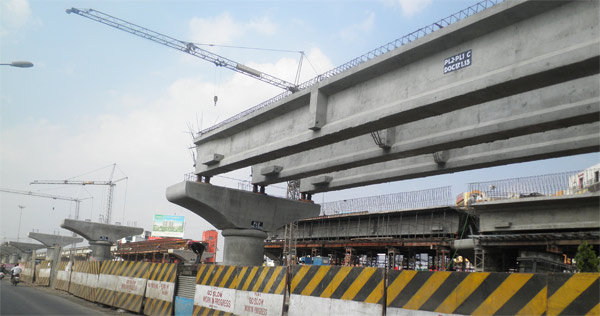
(586,258)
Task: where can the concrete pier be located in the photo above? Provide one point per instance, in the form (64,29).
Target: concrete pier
(244,217)
(100,236)
(26,249)
(54,243)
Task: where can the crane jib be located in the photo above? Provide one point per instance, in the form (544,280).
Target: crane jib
(186,47)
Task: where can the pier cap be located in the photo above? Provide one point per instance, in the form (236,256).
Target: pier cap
(227,208)
(25,247)
(99,231)
(54,240)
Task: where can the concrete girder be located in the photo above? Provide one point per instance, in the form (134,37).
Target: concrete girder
(545,213)
(516,47)
(556,143)
(242,216)
(570,103)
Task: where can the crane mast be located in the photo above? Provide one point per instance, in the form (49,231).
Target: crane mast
(183,46)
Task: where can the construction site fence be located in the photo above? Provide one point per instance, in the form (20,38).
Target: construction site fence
(153,288)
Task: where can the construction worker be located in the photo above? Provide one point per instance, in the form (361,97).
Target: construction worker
(197,248)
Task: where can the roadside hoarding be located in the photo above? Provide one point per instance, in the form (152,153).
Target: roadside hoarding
(168,226)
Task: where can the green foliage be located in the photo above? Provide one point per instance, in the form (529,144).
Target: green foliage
(586,258)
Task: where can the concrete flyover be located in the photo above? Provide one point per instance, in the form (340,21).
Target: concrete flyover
(100,236)
(512,48)
(556,143)
(568,104)
(516,82)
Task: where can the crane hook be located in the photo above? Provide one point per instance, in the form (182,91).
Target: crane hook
(216,98)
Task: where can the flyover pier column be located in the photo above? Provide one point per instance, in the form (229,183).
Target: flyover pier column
(244,246)
(243,217)
(13,258)
(100,249)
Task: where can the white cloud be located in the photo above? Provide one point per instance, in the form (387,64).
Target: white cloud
(224,30)
(220,30)
(14,14)
(356,30)
(263,25)
(412,7)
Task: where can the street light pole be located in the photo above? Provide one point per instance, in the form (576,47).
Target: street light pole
(19,231)
(19,64)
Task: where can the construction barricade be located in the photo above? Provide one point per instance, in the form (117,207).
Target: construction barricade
(160,289)
(131,285)
(63,276)
(466,293)
(107,282)
(260,291)
(43,277)
(28,271)
(330,290)
(573,294)
(84,279)
(215,290)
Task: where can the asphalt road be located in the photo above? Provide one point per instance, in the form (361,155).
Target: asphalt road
(25,299)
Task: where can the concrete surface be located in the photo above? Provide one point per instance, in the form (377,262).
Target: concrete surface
(517,46)
(242,216)
(556,143)
(540,213)
(571,103)
(54,240)
(100,236)
(227,208)
(26,249)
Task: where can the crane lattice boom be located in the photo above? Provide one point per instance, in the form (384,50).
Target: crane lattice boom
(55,197)
(185,47)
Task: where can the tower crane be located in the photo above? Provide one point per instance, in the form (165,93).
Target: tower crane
(110,183)
(183,46)
(192,49)
(55,197)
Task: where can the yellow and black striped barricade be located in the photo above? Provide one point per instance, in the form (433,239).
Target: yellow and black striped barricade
(131,284)
(463,293)
(260,291)
(84,279)
(43,278)
(107,281)
(160,289)
(215,290)
(78,276)
(27,274)
(327,290)
(63,276)
(573,294)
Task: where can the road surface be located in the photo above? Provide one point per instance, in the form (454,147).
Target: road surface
(25,299)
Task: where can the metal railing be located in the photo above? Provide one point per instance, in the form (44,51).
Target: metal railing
(476,8)
(391,202)
(556,184)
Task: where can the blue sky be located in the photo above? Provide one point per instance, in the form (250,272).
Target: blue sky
(98,96)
